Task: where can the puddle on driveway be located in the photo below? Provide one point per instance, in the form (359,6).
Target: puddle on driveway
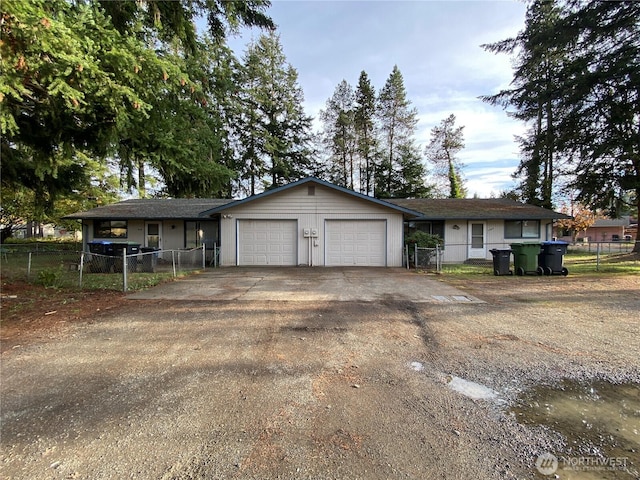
(601,424)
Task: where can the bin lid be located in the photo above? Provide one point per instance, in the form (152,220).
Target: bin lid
(555,242)
(99,242)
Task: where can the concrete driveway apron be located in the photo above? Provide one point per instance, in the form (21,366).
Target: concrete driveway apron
(308,284)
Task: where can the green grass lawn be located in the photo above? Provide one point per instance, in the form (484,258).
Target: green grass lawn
(56,270)
(576,262)
(60,270)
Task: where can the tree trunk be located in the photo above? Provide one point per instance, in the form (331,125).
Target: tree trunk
(636,247)
(142,181)
(547,183)
(351,169)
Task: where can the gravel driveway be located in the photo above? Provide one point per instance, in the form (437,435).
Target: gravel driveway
(314,388)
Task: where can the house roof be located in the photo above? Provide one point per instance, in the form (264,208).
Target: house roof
(415,208)
(304,181)
(475,209)
(153,209)
(611,222)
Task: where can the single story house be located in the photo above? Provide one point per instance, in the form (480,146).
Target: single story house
(471,227)
(316,223)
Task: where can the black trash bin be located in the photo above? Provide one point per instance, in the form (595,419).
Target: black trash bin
(149,259)
(501,261)
(551,257)
(131,248)
(101,247)
(105,263)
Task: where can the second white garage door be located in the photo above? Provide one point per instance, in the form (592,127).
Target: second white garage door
(267,242)
(356,242)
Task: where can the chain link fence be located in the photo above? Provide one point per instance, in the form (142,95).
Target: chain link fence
(65,268)
(588,256)
(421,258)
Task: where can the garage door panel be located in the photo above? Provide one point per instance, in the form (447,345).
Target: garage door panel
(356,242)
(267,242)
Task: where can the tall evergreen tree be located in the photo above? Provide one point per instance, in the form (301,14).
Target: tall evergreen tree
(447,141)
(80,81)
(176,19)
(279,131)
(398,123)
(586,93)
(535,96)
(339,135)
(191,156)
(365,131)
(601,124)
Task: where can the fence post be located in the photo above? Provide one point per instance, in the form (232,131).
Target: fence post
(29,268)
(415,255)
(81,269)
(598,257)
(173,262)
(204,256)
(406,255)
(124,271)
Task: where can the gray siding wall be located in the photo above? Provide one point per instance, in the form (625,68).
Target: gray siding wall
(456,240)
(310,211)
(172,238)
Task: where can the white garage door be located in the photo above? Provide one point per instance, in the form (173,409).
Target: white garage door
(267,242)
(356,242)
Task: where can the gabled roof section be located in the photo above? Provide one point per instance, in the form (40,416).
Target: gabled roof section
(152,209)
(393,206)
(475,209)
(611,222)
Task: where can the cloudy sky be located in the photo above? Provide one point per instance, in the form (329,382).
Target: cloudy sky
(436,46)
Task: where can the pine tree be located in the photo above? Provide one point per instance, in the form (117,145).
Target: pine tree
(192,155)
(447,141)
(398,123)
(601,124)
(535,97)
(339,135)
(279,134)
(576,84)
(365,131)
(90,80)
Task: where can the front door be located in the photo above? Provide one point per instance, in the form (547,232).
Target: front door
(477,240)
(153,235)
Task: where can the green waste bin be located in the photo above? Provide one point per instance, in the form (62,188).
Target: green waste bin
(525,258)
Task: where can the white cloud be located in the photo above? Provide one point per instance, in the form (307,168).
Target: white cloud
(490,181)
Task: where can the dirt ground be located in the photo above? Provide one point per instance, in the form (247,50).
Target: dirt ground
(30,312)
(108,387)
